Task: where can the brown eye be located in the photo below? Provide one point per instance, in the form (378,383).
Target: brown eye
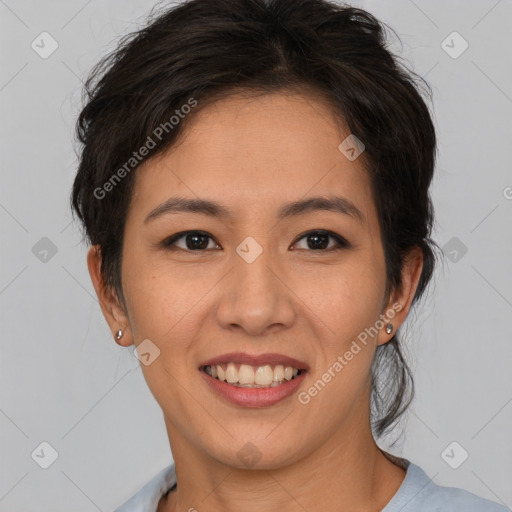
(319,240)
(190,241)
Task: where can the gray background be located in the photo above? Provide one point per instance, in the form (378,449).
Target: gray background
(64,380)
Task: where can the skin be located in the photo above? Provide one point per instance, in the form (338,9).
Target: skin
(254,156)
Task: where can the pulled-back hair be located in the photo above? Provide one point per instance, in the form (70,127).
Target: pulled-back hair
(201,51)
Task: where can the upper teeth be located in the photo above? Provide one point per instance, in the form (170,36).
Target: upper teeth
(245,374)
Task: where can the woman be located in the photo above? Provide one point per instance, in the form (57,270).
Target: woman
(254,183)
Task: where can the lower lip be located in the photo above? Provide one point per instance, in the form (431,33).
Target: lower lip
(253,397)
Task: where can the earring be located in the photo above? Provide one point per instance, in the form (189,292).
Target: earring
(389,328)
(119,335)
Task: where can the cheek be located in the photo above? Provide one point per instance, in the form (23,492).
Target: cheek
(160,298)
(163,308)
(347,298)
(348,302)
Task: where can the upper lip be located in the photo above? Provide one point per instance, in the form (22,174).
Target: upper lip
(256,360)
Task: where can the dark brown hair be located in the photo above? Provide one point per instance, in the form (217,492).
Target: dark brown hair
(204,50)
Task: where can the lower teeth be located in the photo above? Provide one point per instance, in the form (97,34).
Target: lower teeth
(273,385)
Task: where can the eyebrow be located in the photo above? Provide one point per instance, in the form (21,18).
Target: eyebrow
(207,207)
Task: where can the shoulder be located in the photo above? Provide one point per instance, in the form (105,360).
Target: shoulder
(418,493)
(147,498)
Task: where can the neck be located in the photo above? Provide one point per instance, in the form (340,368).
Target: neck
(346,469)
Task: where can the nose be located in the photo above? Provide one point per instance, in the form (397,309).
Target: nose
(256,297)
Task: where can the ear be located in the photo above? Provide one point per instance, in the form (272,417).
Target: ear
(113,311)
(399,304)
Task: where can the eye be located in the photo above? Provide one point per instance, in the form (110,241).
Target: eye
(319,240)
(199,241)
(193,241)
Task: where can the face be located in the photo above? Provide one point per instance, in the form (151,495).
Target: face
(255,276)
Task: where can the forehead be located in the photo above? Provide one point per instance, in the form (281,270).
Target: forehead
(255,151)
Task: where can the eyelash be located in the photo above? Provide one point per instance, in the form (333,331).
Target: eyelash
(169,243)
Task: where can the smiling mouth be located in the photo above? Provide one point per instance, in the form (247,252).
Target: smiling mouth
(248,376)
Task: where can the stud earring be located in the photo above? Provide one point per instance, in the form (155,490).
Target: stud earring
(119,334)
(389,328)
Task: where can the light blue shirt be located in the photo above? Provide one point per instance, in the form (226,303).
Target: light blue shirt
(416,494)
